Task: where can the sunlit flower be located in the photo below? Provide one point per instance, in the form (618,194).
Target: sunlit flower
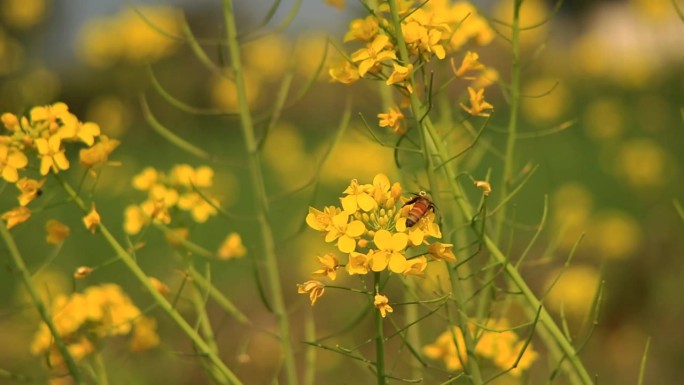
(375,53)
(444,348)
(30,190)
(56,231)
(393,119)
(200,208)
(442,251)
(146,179)
(382,304)
(314,288)
(329,266)
(144,335)
(134,219)
(92,219)
(390,251)
(16,216)
(231,247)
(478,105)
(85,132)
(187,176)
(51,154)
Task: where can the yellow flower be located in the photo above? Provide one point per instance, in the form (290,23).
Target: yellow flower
(51,154)
(187,176)
(424,228)
(321,220)
(56,231)
(53,118)
(85,132)
(98,154)
(344,232)
(359,263)
(442,251)
(345,73)
(314,288)
(144,334)
(134,219)
(390,251)
(415,266)
(11,160)
(478,105)
(445,349)
(92,219)
(400,76)
(16,216)
(394,119)
(375,53)
(362,29)
(382,304)
(358,196)
(147,178)
(30,190)
(198,206)
(10,121)
(330,266)
(470,63)
(231,247)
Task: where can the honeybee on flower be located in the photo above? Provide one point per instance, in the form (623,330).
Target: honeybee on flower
(376,229)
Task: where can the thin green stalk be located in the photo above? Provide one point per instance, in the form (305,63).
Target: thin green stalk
(428,145)
(38,302)
(143,279)
(199,300)
(260,196)
(100,369)
(379,339)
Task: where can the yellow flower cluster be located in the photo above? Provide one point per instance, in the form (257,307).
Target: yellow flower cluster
(165,192)
(371,230)
(84,319)
(43,135)
(127,36)
(498,344)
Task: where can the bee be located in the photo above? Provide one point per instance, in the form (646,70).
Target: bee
(421,205)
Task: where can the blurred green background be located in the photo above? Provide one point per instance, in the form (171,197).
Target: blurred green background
(611,71)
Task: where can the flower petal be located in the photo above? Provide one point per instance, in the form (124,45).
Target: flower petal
(346,244)
(397,263)
(366,202)
(355,228)
(383,239)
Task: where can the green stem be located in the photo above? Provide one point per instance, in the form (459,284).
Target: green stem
(38,302)
(128,260)
(260,196)
(100,369)
(429,142)
(379,338)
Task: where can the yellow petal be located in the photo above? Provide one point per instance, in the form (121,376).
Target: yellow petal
(366,202)
(349,203)
(346,244)
(379,261)
(399,241)
(355,228)
(397,263)
(383,239)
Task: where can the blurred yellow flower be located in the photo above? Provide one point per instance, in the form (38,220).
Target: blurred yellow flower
(224,91)
(393,119)
(232,247)
(158,285)
(604,119)
(185,175)
(376,52)
(549,103)
(134,219)
(365,29)
(11,160)
(574,291)
(147,178)
(111,113)
(381,303)
(359,263)
(126,36)
(268,56)
(22,14)
(98,154)
(442,251)
(478,105)
(56,231)
(30,190)
(642,163)
(92,219)
(16,216)
(345,73)
(200,208)
(614,235)
(314,288)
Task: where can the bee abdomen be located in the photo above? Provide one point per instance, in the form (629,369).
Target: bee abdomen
(418,210)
